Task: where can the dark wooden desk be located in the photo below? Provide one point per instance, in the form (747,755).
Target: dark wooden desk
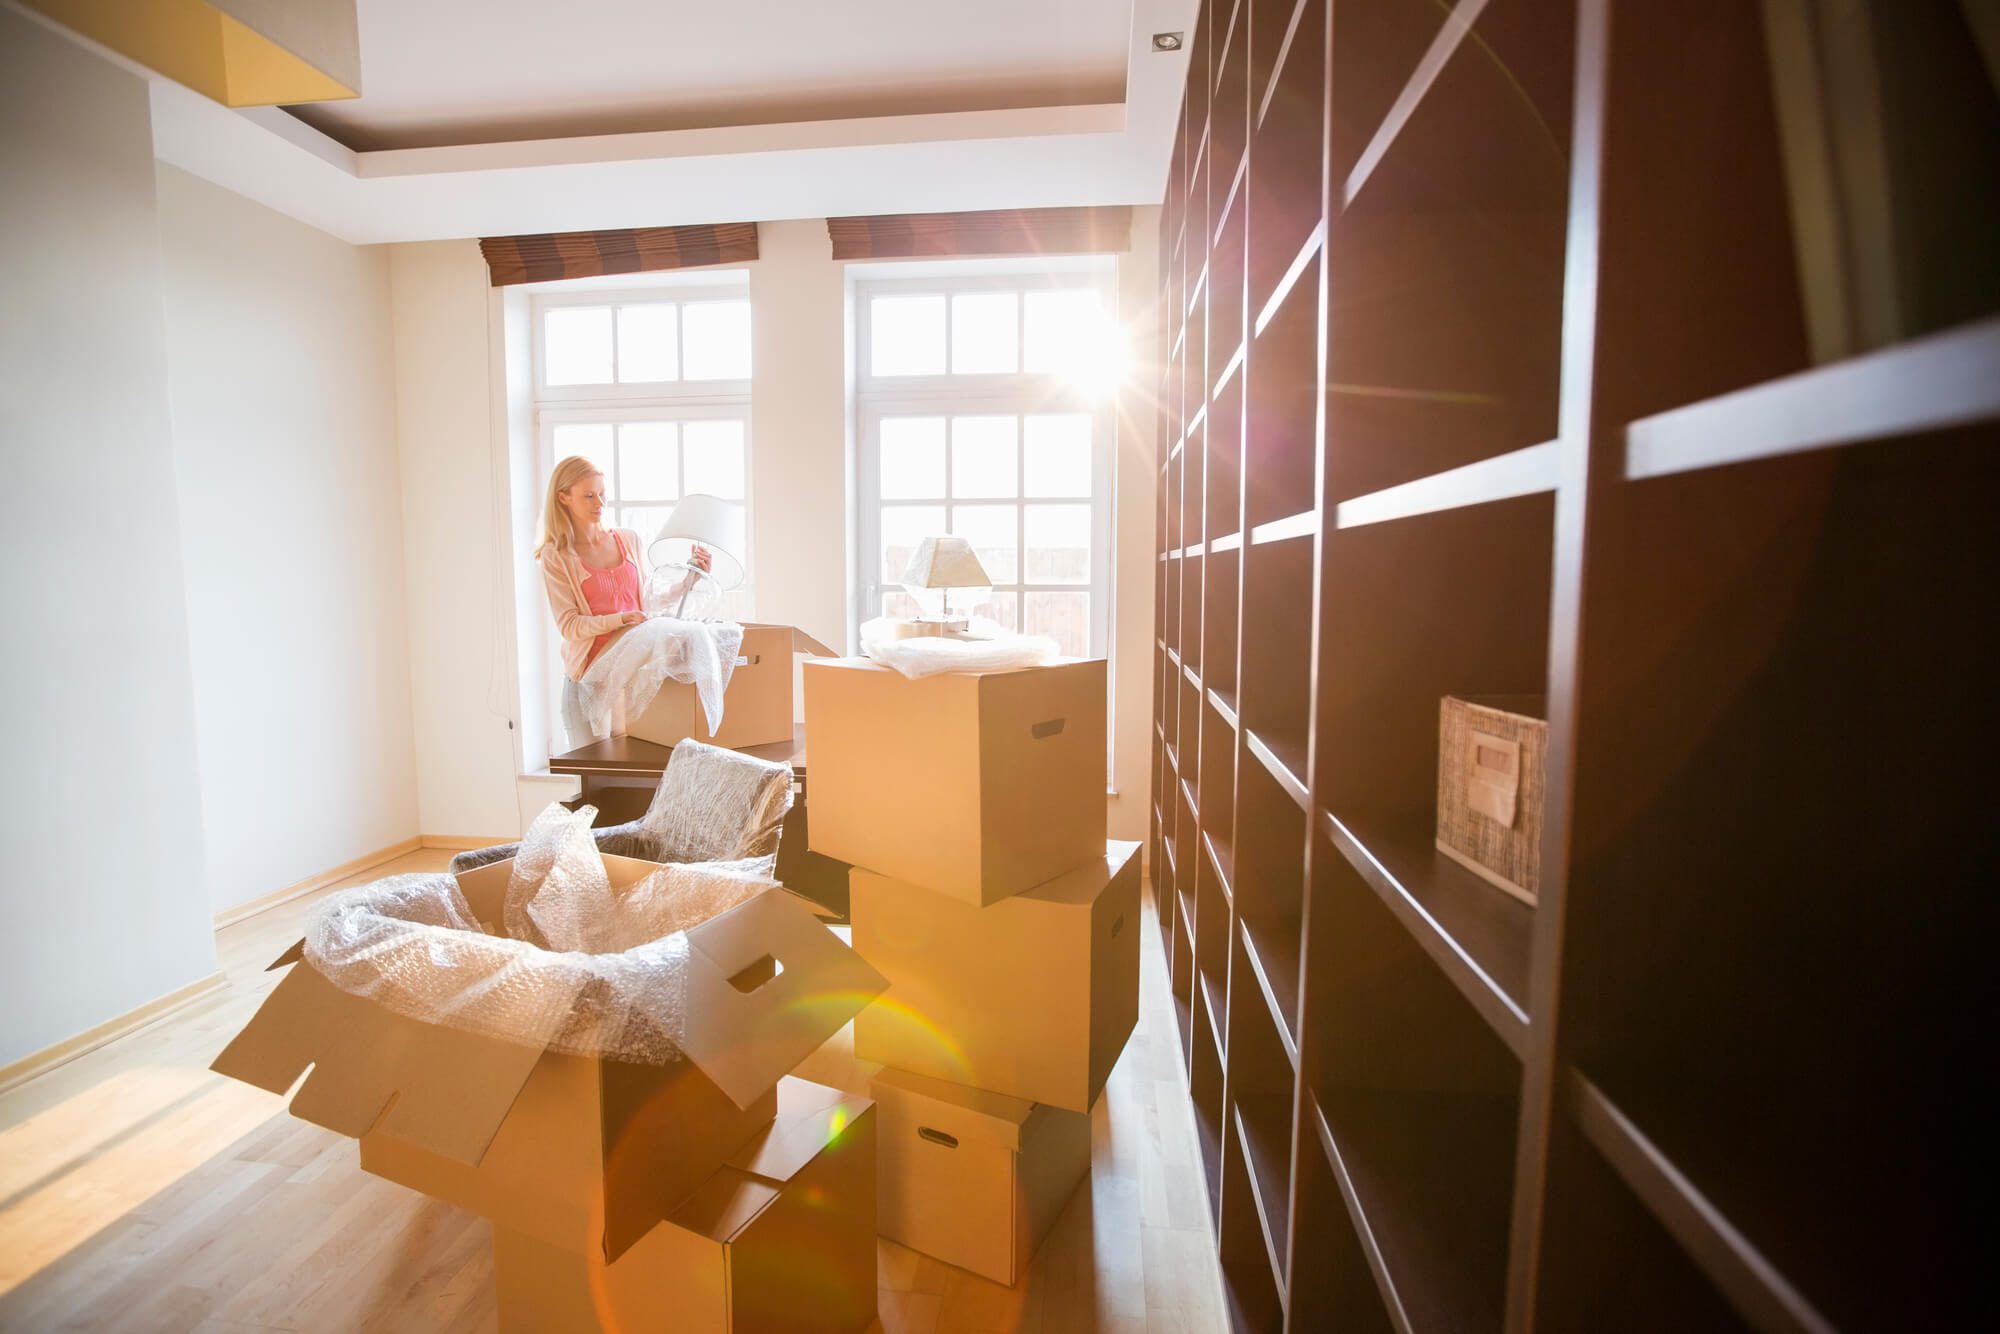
(620,775)
(630,757)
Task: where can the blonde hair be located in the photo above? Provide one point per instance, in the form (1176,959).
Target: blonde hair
(557,531)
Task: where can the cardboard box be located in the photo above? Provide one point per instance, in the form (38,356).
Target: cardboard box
(1032,997)
(1492,762)
(974,785)
(972,1178)
(579,1152)
(780,1238)
(757,708)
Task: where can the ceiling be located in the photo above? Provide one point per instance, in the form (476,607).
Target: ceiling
(438,72)
(497,117)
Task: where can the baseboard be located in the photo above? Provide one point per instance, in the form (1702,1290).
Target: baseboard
(48,1058)
(312,884)
(461,843)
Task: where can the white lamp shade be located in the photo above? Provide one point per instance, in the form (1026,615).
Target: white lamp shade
(945,562)
(710,522)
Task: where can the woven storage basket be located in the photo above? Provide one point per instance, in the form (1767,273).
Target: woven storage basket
(1491,780)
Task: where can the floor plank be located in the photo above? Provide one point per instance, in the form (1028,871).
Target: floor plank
(139,1191)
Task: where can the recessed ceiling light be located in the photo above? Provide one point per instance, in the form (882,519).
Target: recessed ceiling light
(1167,41)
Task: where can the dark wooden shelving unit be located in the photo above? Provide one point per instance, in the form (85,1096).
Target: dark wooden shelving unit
(1487,372)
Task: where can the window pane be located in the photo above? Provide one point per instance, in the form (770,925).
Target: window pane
(906,335)
(1058,538)
(714,458)
(1060,328)
(903,526)
(985,333)
(648,460)
(1002,607)
(984,456)
(912,458)
(576,343)
(648,343)
(716,337)
(991,530)
(590,439)
(646,521)
(1064,617)
(1055,450)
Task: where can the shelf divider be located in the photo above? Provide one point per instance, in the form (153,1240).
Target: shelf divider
(1453,891)
(1449,37)
(1926,384)
(1753,1285)
(1522,472)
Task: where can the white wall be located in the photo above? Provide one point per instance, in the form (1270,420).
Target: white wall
(449,399)
(100,817)
(799,467)
(282,383)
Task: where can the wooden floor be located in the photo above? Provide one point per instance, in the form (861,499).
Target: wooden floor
(140,1192)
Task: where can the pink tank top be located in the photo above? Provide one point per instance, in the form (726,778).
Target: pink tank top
(609,592)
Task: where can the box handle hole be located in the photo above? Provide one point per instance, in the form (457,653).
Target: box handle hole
(1043,731)
(760,973)
(937,1137)
(1117,925)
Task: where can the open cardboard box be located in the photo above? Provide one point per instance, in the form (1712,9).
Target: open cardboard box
(781,1237)
(975,785)
(757,708)
(972,1178)
(579,1152)
(1032,997)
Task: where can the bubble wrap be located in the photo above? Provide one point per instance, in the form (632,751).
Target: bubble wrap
(623,679)
(715,804)
(992,650)
(712,805)
(603,973)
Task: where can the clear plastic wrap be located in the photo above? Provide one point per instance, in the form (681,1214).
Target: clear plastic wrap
(985,648)
(622,681)
(712,805)
(610,983)
(715,804)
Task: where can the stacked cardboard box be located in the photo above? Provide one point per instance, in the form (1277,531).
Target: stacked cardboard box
(624,1196)
(971,806)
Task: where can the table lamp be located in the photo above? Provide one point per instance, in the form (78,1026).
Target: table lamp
(944,563)
(706,521)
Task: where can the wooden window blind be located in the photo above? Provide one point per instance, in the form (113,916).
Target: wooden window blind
(1029,231)
(545,258)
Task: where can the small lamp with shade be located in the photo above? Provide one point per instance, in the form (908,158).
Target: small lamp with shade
(944,563)
(701,521)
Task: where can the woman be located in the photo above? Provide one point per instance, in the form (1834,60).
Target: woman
(597,583)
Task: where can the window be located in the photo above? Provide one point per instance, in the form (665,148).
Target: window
(653,386)
(984,413)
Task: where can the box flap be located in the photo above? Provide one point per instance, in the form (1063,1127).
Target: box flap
(289,957)
(442,1090)
(724,1205)
(801,641)
(952,1109)
(810,1117)
(1081,887)
(746,1036)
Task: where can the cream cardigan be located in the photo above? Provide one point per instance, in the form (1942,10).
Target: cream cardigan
(563,573)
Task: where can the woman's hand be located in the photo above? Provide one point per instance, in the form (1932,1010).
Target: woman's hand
(632,618)
(701,560)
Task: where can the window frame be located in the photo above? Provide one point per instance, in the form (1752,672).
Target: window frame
(677,401)
(706,289)
(1016,393)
